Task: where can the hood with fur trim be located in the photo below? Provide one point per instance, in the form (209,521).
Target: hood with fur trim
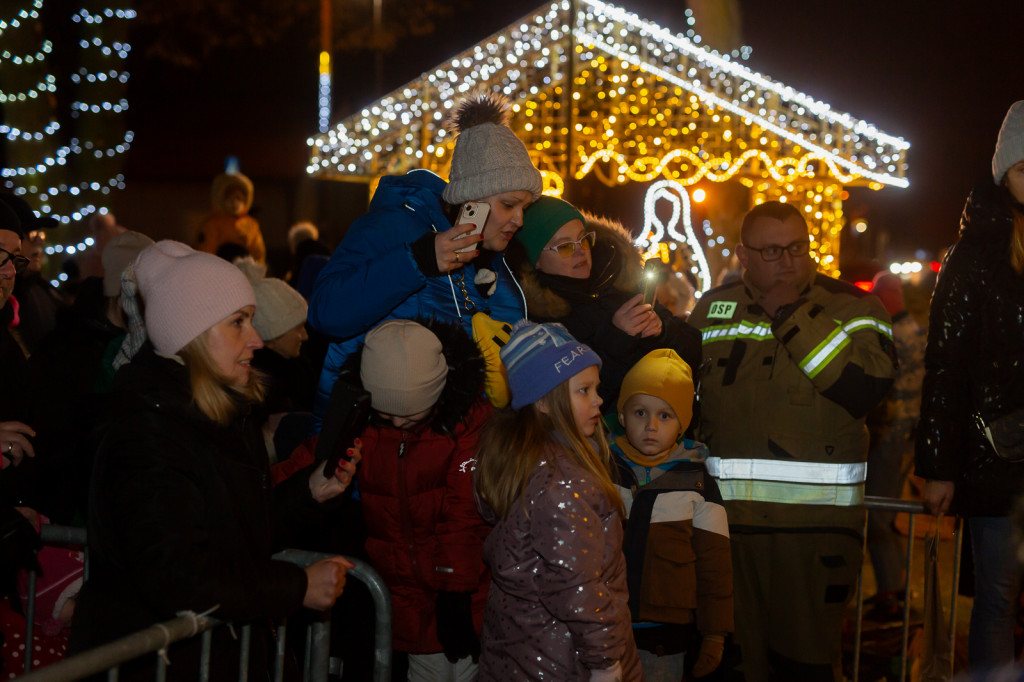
(463,386)
(225,181)
(616,264)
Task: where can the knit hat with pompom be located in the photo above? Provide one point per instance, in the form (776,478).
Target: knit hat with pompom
(488,159)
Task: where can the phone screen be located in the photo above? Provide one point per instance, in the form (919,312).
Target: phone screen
(650,284)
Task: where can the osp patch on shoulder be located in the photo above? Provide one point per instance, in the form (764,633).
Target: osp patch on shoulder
(722,309)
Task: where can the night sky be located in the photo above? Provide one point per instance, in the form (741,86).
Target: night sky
(940,74)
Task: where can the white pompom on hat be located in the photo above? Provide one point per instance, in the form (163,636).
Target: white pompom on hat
(1010,143)
(185,292)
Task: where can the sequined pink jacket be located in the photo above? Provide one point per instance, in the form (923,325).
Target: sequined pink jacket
(557,607)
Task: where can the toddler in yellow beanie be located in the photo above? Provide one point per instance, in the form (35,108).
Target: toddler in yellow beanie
(674,510)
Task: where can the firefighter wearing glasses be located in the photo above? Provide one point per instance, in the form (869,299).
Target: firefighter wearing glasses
(793,361)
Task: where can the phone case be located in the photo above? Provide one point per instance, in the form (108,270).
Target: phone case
(475,213)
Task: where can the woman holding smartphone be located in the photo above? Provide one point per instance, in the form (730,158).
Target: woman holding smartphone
(584,272)
(404,259)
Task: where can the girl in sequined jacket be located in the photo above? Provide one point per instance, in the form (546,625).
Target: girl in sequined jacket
(557,608)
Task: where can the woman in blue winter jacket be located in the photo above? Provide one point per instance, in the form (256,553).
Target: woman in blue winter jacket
(402,258)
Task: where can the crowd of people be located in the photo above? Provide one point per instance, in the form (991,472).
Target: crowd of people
(556,480)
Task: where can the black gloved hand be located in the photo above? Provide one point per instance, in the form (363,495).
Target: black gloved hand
(455,628)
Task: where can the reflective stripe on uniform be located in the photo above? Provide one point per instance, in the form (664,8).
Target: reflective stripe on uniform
(828,349)
(763,330)
(824,353)
(858,322)
(791,493)
(787,471)
(740,330)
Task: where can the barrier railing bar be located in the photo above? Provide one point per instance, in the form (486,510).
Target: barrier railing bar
(62,535)
(906,597)
(279,659)
(912,508)
(204,656)
(956,590)
(101,658)
(30,618)
(860,606)
(243,653)
(161,667)
(307,657)
(382,606)
(320,658)
(893,504)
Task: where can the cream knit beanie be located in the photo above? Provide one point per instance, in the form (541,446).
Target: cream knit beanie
(403,367)
(279,307)
(117,255)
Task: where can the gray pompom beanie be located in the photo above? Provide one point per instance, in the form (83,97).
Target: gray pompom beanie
(1010,144)
(488,158)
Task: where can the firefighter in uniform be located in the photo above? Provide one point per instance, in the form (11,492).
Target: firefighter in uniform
(793,361)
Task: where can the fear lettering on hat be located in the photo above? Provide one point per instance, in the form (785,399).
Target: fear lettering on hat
(566,360)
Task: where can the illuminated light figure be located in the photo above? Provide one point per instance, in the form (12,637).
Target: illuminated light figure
(655,232)
(599,91)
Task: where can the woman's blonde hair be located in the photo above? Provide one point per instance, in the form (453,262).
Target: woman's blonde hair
(512,445)
(1017,241)
(212,393)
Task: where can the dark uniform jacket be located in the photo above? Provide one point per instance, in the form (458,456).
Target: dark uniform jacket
(787,397)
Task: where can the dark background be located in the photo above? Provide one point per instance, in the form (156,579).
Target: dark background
(941,75)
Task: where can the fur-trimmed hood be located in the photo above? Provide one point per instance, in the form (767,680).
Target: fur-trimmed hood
(225,181)
(463,386)
(616,264)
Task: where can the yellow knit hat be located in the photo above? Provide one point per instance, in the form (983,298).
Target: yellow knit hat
(662,374)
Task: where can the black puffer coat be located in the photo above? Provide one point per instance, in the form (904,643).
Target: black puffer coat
(182,518)
(975,359)
(586,306)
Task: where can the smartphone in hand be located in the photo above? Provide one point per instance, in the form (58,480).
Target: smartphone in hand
(473,213)
(652,273)
(348,413)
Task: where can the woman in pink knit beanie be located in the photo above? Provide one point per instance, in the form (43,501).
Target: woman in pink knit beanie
(181,516)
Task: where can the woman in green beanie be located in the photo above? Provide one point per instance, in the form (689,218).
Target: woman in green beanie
(584,272)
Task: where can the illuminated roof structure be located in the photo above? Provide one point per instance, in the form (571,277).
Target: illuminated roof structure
(598,90)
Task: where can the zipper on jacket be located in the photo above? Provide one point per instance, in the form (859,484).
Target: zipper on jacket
(403,506)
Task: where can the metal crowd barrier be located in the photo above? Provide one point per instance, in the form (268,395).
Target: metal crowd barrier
(912,508)
(156,638)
